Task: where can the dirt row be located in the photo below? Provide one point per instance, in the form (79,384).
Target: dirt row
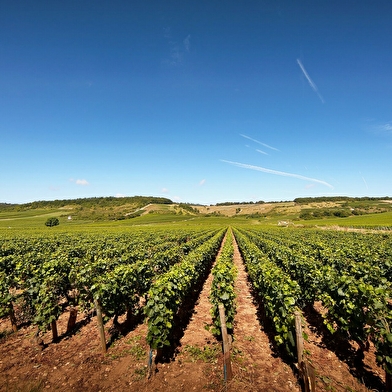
(75,362)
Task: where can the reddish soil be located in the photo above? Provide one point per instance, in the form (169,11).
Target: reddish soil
(75,362)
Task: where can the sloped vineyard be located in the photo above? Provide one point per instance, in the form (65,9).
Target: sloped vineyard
(156,274)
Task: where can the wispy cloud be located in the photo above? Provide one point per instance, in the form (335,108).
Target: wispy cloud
(202,182)
(177,50)
(386,128)
(165,190)
(378,128)
(176,56)
(277,172)
(82,182)
(256,141)
(261,152)
(187,42)
(312,84)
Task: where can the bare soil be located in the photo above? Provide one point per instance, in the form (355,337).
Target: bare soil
(236,209)
(75,362)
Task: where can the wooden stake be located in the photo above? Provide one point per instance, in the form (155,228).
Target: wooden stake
(101,329)
(299,337)
(73,314)
(55,335)
(306,370)
(309,376)
(228,373)
(13,318)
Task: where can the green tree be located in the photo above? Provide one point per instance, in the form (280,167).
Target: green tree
(50,222)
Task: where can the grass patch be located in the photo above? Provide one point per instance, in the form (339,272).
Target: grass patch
(136,349)
(140,373)
(206,354)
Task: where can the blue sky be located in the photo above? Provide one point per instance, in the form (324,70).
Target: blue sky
(200,102)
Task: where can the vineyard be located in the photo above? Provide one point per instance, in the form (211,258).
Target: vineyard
(113,310)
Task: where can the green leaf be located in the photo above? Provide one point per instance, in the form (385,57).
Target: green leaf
(341,292)
(225,296)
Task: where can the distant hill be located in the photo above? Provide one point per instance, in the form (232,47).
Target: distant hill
(111,201)
(90,202)
(6,206)
(302,208)
(120,208)
(306,200)
(97,208)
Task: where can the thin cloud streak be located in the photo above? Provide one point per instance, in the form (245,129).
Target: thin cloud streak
(312,84)
(261,152)
(363,179)
(256,141)
(277,172)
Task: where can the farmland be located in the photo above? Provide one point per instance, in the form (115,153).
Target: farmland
(100,304)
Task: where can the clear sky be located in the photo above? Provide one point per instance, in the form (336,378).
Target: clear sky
(197,101)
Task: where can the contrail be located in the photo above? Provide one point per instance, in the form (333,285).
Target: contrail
(256,141)
(261,152)
(276,172)
(312,84)
(363,179)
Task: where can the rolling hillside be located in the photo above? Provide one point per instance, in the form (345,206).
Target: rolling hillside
(339,211)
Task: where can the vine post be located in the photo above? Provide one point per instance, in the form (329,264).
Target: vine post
(306,370)
(55,334)
(73,314)
(13,318)
(299,338)
(100,326)
(228,373)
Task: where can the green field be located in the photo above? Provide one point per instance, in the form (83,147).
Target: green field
(380,220)
(373,214)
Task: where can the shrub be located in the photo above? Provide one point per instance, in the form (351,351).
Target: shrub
(52,222)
